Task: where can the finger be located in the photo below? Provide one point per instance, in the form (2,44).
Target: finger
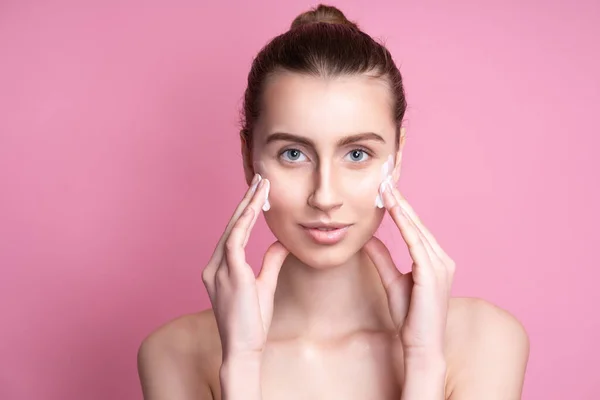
(419,224)
(235,243)
(434,256)
(416,247)
(261,193)
(272,262)
(382,259)
(397,285)
(440,260)
(250,194)
(235,256)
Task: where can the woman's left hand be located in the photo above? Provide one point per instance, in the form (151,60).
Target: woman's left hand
(418,301)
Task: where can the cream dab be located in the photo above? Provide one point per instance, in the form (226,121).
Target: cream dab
(386,175)
(259,168)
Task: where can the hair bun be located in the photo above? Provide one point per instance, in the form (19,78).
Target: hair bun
(324,14)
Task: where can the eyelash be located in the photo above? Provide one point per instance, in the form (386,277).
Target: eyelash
(361,149)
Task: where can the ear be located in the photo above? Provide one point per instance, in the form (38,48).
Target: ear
(398,158)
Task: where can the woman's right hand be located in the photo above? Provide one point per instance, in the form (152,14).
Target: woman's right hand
(243,303)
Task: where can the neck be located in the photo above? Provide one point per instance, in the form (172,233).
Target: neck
(332,302)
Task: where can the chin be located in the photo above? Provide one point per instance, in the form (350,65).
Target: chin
(326,257)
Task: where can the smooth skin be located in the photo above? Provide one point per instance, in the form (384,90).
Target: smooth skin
(324,322)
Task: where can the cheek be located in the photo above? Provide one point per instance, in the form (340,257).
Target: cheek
(286,191)
(360,193)
(283,186)
(288,202)
(361,189)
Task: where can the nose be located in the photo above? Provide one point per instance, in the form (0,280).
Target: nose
(325,197)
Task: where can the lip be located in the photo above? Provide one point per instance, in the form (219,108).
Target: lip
(324,225)
(326,233)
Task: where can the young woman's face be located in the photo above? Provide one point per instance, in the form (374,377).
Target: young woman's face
(322,144)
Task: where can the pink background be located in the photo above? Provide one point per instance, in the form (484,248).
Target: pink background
(120,165)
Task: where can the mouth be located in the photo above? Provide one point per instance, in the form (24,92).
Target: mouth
(326,233)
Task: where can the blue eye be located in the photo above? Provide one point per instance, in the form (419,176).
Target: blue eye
(293,155)
(358,155)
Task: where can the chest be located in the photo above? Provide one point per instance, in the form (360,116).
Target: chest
(362,368)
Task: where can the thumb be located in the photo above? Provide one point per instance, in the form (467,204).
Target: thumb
(398,286)
(272,262)
(382,259)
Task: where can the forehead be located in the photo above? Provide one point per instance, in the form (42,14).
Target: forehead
(337,106)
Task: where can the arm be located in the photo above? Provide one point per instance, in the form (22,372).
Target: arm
(493,352)
(167,374)
(418,301)
(494,357)
(243,308)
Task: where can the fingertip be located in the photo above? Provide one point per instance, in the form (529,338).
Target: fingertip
(373,248)
(375,244)
(254,184)
(371,242)
(375,239)
(273,260)
(279,248)
(389,200)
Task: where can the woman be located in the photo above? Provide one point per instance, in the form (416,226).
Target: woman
(329,315)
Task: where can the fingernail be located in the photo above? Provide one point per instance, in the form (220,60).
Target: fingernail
(379,198)
(390,183)
(388,198)
(267,205)
(255,181)
(383,187)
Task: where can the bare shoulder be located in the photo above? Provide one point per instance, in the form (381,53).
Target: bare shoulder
(487,351)
(180,359)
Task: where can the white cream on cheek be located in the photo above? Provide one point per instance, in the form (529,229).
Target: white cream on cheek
(259,168)
(386,174)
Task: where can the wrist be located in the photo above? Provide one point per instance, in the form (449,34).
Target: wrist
(240,365)
(245,357)
(425,361)
(240,377)
(424,377)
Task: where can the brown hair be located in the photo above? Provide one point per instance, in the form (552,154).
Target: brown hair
(321,43)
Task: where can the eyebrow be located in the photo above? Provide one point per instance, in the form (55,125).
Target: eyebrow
(346,140)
